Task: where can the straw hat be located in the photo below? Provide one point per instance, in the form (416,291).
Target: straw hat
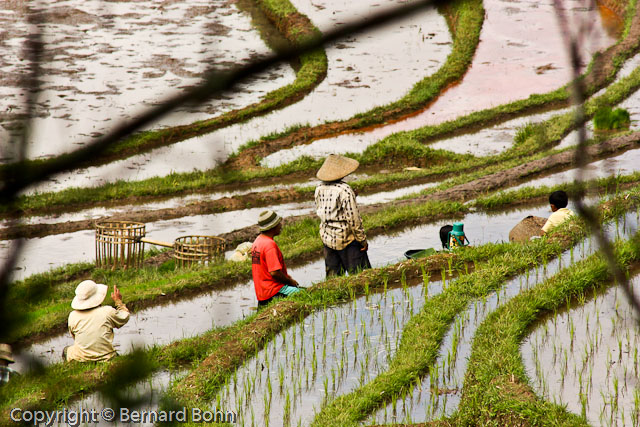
(89,294)
(336,167)
(5,353)
(268,219)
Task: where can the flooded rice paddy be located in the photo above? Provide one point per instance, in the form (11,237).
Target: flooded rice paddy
(439,394)
(524,58)
(586,358)
(145,394)
(329,353)
(356,77)
(108,61)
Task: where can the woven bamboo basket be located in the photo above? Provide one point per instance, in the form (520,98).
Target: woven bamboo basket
(197,249)
(120,244)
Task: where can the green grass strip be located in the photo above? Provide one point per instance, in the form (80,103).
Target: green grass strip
(496,388)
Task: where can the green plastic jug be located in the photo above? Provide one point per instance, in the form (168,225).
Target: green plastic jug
(457,237)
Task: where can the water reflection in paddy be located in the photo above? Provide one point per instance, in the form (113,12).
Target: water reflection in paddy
(108,61)
(587,358)
(357,81)
(520,49)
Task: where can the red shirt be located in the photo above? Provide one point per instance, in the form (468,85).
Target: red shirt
(266,257)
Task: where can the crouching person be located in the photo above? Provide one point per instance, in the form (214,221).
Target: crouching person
(6,357)
(91,324)
(270,277)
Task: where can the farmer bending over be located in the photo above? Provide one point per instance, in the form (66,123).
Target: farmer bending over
(269,273)
(91,325)
(558,201)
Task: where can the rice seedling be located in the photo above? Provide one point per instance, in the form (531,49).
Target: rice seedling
(601,372)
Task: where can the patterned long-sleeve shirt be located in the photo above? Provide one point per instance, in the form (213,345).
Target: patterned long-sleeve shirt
(340,222)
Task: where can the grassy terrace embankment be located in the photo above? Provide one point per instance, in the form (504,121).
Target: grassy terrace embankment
(402,148)
(244,338)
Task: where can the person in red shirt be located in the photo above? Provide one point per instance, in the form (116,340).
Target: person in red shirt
(270,277)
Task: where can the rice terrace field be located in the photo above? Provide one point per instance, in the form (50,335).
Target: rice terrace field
(457,111)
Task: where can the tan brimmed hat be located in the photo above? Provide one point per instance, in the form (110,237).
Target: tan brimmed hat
(336,167)
(89,294)
(268,219)
(5,353)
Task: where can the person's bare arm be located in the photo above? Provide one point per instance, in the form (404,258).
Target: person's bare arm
(121,315)
(282,277)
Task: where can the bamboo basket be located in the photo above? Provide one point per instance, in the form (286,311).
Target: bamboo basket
(197,249)
(120,244)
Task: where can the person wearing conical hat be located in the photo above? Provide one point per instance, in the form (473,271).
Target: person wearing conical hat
(91,324)
(6,357)
(341,230)
(270,277)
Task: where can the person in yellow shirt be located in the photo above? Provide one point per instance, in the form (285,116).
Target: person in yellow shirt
(558,201)
(91,324)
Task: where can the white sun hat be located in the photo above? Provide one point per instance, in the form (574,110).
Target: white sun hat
(89,294)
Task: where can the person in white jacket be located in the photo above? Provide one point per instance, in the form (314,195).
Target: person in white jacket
(91,324)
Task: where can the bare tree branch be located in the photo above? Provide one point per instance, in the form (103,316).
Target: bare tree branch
(581,157)
(33,48)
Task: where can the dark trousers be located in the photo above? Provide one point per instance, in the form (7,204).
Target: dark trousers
(267,301)
(350,259)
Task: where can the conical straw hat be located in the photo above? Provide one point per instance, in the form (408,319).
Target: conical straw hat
(336,167)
